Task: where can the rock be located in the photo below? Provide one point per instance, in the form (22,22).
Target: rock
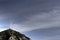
(12,35)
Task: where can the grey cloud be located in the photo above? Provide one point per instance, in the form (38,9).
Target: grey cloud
(30,13)
(20,10)
(52,19)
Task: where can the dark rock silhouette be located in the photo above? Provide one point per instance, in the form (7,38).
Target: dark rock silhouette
(12,35)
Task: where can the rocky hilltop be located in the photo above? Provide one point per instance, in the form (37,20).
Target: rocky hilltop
(12,35)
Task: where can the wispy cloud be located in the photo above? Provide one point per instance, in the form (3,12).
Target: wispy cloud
(39,21)
(31,14)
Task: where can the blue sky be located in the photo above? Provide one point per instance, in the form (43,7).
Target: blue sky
(38,19)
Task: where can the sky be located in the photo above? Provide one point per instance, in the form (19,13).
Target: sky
(38,19)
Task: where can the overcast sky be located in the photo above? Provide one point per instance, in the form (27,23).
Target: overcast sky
(38,19)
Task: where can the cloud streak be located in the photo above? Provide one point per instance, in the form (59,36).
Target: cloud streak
(40,21)
(29,15)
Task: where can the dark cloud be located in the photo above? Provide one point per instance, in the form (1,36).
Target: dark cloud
(21,9)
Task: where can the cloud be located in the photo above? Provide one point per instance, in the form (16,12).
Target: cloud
(31,14)
(44,34)
(2,28)
(39,21)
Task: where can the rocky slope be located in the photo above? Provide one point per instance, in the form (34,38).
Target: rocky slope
(12,35)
